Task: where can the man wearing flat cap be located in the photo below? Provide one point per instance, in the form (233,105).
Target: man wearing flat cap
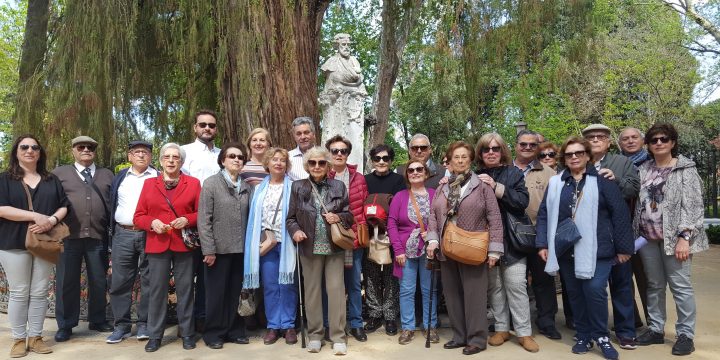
(88,188)
(128,243)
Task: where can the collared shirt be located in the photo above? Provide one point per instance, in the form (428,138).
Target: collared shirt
(527,169)
(598,166)
(129,193)
(79,167)
(297,168)
(200,161)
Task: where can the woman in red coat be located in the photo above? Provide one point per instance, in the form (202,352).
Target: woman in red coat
(163,223)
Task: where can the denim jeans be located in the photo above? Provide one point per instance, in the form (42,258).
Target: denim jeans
(622,292)
(28,281)
(408,283)
(588,298)
(280,299)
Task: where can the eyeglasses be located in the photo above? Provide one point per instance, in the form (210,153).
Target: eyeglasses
(418,169)
(90,148)
(422,148)
(314,163)
(203,125)
(592,137)
(385,158)
(576,154)
(662,139)
(25,147)
(495,149)
(171,157)
(547,155)
(336,151)
(527,145)
(235,156)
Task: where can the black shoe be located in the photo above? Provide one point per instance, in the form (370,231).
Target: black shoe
(327,335)
(63,335)
(101,327)
(200,325)
(373,324)
(215,345)
(453,345)
(242,340)
(471,349)
(551,333)
(683,346)
(391,327)
(358,334)
(188,342)
(152,345)
(650,337)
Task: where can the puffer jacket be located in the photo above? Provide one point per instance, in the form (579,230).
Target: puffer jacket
(357,193)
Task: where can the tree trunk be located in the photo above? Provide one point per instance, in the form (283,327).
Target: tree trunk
(30,88)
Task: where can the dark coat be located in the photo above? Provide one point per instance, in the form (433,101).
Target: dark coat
(87,216)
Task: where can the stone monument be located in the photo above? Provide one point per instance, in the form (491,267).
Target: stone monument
(343,99)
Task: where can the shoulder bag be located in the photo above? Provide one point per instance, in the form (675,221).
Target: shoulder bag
(467,247)
(521,232)
(567,233)
(340,236)
(375,212)
(190,236)
(47,245)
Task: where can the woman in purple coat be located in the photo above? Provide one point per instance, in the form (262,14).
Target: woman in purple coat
(407,226)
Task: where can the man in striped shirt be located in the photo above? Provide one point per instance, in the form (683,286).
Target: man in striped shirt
(303,130)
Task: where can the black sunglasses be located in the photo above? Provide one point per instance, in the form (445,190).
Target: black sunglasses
(422,148)
(204,125)
(495,149)
(25,147)
(418,169)
(527,145)
(547,155)
(662,139)
(575,154)
(385,158)
(340,151)
(314,163)
(90,148)
(235,156)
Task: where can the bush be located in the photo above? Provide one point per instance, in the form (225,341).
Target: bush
(713,233)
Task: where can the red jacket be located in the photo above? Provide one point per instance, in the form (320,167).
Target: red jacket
(152,205)
(357,192)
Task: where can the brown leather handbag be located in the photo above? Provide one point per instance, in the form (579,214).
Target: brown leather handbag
(467,247)
(47,245)
(342,237)
(363,235)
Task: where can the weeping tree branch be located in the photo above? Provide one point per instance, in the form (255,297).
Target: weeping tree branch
(687,8)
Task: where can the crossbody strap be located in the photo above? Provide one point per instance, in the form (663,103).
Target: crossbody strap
(171,206)
(277,208)
(417,211)
(315,192)
(29,198)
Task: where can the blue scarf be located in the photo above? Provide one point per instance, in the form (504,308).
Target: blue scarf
(251,280)
(639,157)
(235,184)
(585,220)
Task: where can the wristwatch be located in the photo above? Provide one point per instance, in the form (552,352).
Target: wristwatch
(685,235)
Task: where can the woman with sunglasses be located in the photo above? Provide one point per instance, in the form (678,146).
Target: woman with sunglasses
(258,142)
(507,285)
(669,214)
(583,229)
(381,287)
(407,229)
(28,276)
(321,259)
(547,153)
(471,205)
(222,221)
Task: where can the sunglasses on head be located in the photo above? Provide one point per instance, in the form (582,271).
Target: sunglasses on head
(575,154)
(662,139)
(25,147)
(495,149)
(527,145)
(422,148)
(90,148)
(203,125)
(234,156)
(547,155)
(314,163)
(417,169)
(336,151)
(385,158)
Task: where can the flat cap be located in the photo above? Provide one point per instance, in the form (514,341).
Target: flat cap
(596,127)
(135,143)
(84,140)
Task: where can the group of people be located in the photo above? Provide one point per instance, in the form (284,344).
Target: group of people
(252,217)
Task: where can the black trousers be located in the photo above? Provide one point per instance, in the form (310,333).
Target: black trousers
(543,286)
(223,284)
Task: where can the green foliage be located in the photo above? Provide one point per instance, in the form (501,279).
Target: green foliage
(12,23)
(713,234)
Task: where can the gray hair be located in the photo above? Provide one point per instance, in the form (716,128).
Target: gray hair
(525,132)
(642,136)
(180,150)
(313,152)
(304,120)
(420,136)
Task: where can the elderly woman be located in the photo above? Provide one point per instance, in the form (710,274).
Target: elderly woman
(321,259)
(471,205)
(407,228)
(669,214)
(340,148)
(28,276)
(222,220)
(548,154)
(583,229)
(276,268)
(507,282)
(168,204)
(258,142)
(381,287)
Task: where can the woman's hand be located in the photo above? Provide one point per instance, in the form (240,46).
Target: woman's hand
(42,223)
(488,180)
(180,222)
(543,254)
(682,249)
(209,260)
(491,262)
(431,250)
(331,218)
(401,259)
(299,236)
(159,226)
(444,180)
(622,258)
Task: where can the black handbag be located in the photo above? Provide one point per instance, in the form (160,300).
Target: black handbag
(521,232)
(566,235)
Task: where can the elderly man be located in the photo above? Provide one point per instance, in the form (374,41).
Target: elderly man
(632,145)
(420,147)
(88,188)
(621,170)
(128,243)
(303,131)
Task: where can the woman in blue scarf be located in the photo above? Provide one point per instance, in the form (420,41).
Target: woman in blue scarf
(269,250)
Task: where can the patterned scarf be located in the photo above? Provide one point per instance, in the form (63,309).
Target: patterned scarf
(456,182)
(171,184)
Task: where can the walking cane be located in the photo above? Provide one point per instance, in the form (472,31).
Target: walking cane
(303,332)
(432,262)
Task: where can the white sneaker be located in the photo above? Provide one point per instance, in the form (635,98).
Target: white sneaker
(340,348)
(314,346)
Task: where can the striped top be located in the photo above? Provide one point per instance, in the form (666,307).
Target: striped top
(297,168)
(253,173)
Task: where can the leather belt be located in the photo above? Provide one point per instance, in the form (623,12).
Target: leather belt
(130,227)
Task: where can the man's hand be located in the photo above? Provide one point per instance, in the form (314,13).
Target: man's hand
(607,173)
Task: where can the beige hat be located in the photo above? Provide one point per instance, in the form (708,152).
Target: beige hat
(84,140)
(596,127)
